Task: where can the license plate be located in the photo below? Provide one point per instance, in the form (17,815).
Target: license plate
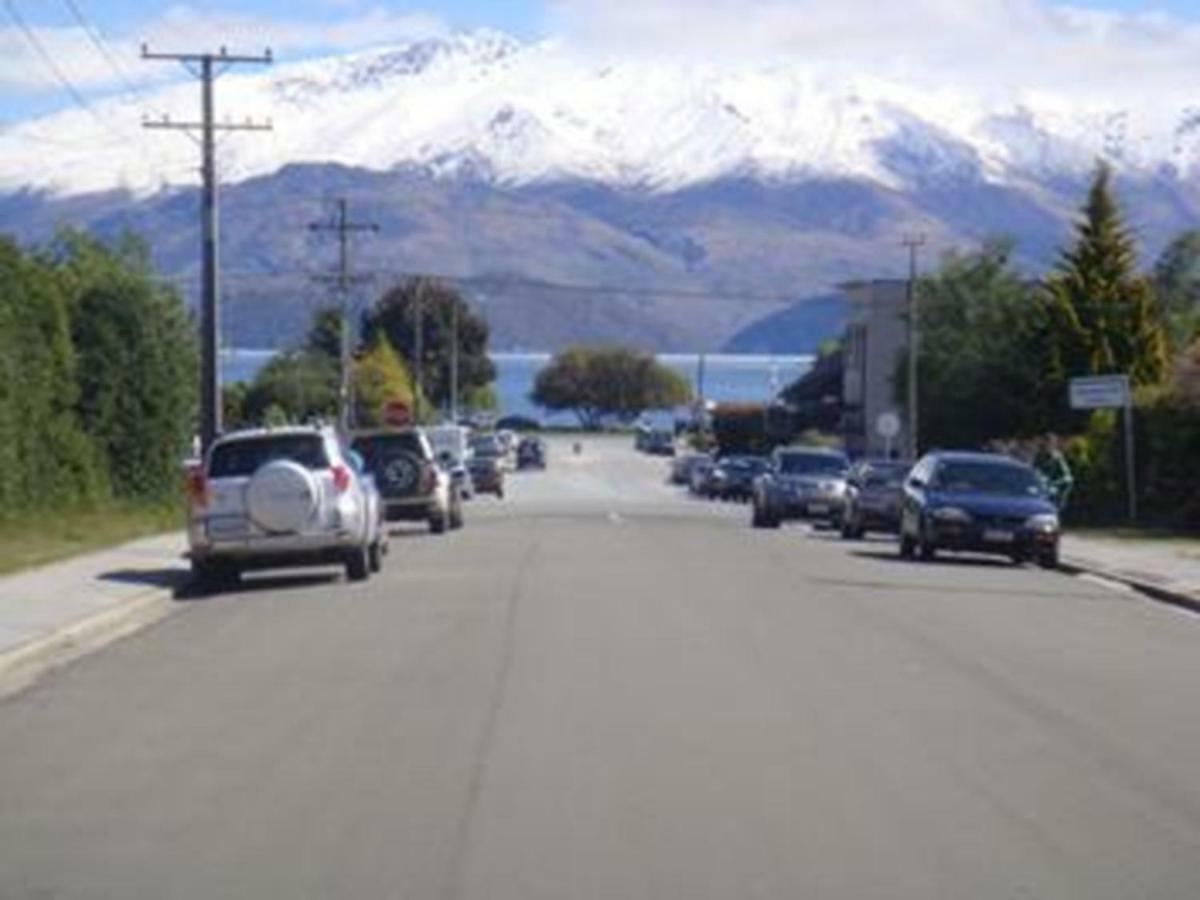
(228,528)
(995,536)
(818,509)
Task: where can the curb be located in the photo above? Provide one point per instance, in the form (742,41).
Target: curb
(1155,592)
(24,665)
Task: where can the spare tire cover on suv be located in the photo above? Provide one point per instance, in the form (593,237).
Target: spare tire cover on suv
(399,473)
(282,496)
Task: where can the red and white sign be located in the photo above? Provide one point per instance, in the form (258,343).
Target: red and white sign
(397,414)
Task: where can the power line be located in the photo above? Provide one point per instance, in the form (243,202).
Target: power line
(34,42)
(97,41)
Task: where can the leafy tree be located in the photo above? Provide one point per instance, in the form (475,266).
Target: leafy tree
(380,377)
(1177,284)
(45,458)
(396,315)
(295,386)
(983,351)
(597,383)
(1102,316)
(136,362)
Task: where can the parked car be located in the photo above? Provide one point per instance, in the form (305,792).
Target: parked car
(531,454)
(280,498)
(659,442)
(681,467)
(733,476)
(699,477)
(801,483)
(874,490)
(981,503)
(414,486)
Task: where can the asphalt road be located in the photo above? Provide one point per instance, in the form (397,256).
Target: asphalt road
(601,689)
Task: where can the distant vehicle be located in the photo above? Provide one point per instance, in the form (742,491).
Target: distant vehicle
(487,473)
(733,477)
(979,503)
(518,424)
(414,486)
(281,498)
(681,467)
(874,491)
(531,454)
(699,475)
(659,443)
(452,448)
(801,483)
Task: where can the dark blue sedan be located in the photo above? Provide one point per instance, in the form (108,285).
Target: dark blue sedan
(978,503)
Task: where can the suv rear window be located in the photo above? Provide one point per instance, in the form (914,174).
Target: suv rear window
(234,459)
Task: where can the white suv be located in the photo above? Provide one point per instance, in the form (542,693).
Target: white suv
(279,498)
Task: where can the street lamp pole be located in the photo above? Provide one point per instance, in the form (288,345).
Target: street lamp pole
(913,242)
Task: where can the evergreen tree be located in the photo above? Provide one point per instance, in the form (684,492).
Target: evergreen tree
(1177,284)
(380,377)
(1101,315)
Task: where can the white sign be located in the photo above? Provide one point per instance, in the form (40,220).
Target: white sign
(1100,392)
(887,426)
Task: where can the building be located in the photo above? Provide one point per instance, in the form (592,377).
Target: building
(874,350)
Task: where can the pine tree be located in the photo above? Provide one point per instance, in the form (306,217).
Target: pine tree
(1101,315)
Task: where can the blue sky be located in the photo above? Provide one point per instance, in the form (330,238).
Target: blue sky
(301,28)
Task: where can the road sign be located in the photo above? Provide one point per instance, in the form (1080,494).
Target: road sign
(887,426)
(1100,392)
(397,414)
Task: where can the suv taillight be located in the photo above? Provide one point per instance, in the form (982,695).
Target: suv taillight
(197,487)
(341,479)
(428,480)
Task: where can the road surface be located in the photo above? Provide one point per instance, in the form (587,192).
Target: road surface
(602,689)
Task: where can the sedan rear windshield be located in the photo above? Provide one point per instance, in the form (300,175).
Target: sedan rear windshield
(811,464)
(988,478)
(886,476)
(243,458)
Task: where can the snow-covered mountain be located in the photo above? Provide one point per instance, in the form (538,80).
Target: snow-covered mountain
(667,202)
(519,114)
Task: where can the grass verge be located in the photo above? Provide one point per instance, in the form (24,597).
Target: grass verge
(34,539)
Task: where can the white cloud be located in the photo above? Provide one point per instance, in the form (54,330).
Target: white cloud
(985,44)
(184,28)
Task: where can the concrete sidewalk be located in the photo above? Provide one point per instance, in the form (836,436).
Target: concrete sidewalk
(1166,570)
(52,613)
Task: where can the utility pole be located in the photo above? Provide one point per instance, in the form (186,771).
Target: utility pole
(913,242)
(210,327)
(419,349)
(454,313)
(343,281)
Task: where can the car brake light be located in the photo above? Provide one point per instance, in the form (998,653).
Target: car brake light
(197,487)
(428,480)
(341,479)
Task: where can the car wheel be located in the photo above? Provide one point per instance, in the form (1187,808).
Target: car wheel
(908,547)
(375,557)
(456,515)
(1049,558)
(357,564)
(499,493)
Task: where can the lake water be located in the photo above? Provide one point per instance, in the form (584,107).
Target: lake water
(727,378)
